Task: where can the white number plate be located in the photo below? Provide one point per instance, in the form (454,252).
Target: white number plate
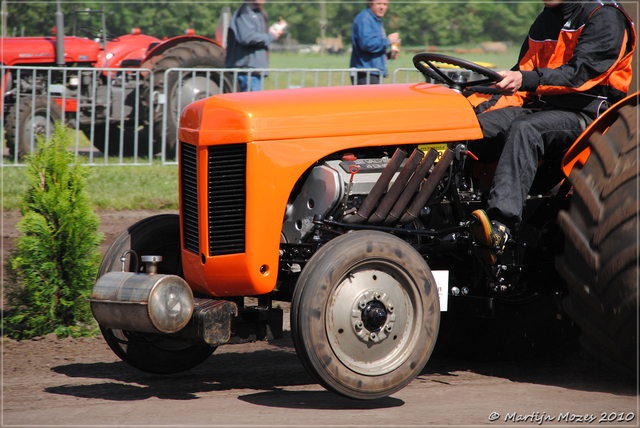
(442,282)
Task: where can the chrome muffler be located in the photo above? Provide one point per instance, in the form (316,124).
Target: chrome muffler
(150,303)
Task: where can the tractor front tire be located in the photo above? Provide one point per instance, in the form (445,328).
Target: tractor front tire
(365,315)
(28,120)
(157,235)
(601,244)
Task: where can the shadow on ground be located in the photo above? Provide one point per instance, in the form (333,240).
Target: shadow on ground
(261,370)
(526,349)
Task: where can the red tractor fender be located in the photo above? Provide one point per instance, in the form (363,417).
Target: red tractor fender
(580,150)
(126,51)
(154,54)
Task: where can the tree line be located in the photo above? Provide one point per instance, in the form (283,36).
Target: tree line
(420,23)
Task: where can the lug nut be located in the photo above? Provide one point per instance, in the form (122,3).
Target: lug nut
(359,325)
(362,304)
(388,328)
(390,308)
(377,296)
(373,336)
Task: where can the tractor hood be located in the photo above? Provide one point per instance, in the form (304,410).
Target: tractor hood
(330,112)
(42,50)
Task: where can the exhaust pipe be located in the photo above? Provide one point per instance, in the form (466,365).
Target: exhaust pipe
(394,193)
(411,187)
(150,303)
(376,192)
(60,61)
(426,191)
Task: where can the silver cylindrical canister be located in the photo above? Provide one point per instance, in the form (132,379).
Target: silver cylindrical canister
(141,302)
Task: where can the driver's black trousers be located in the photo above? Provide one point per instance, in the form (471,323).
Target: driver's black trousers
(526,137)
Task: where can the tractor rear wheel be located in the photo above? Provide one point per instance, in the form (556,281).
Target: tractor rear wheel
(26,121)
(365,315)
(184,87)
(601,244)
(157,235)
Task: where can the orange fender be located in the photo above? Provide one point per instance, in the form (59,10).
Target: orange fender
(580,150)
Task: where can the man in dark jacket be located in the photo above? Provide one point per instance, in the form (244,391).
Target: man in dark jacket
(370,43)
(247,43)
(575,63)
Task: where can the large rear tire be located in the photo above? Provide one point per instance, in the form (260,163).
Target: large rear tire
(365,315)
(601,247)
(23,129)
(157,235)
(193,86)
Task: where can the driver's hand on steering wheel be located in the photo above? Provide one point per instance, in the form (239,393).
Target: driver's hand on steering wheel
(511,82)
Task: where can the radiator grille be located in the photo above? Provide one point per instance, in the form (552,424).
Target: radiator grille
(189,178)
(227,198)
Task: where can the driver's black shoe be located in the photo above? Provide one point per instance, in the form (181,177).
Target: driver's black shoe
(492,236)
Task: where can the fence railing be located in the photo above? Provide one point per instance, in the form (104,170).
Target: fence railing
(115,116)
(103,109)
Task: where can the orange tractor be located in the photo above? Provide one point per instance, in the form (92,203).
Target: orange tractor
(357,211)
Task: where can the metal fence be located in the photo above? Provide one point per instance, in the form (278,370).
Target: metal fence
(116,116)
(103,110)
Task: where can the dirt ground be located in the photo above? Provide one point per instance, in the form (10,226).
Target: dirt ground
(81,382)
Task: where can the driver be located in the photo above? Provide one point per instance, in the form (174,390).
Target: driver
(574,64)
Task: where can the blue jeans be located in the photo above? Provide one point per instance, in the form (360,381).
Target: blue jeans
(256,83)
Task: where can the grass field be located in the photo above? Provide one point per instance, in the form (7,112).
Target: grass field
(110,187)
(290,60)
(312,60)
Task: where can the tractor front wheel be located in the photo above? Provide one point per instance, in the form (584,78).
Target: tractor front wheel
(28,120)
(365,315)
(158,235)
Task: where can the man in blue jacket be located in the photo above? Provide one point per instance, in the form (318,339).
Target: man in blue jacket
(370,43)
(247,43)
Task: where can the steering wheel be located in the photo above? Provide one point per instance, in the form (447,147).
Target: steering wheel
(434,72)
(95,33)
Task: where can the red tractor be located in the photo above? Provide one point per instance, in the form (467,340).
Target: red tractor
(70,82)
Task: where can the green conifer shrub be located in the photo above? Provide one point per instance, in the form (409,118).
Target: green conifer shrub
(53,267)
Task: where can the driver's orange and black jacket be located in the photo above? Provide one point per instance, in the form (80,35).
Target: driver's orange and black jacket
(577,56)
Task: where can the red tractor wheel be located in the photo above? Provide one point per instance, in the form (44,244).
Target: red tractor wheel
(26,123)
(601,244)
(183,88)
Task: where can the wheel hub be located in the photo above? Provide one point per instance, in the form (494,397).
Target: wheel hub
(37,125)
(374,316)
(194,87)
(370,319)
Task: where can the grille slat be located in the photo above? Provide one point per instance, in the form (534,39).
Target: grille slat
(227,166)
(189,178)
